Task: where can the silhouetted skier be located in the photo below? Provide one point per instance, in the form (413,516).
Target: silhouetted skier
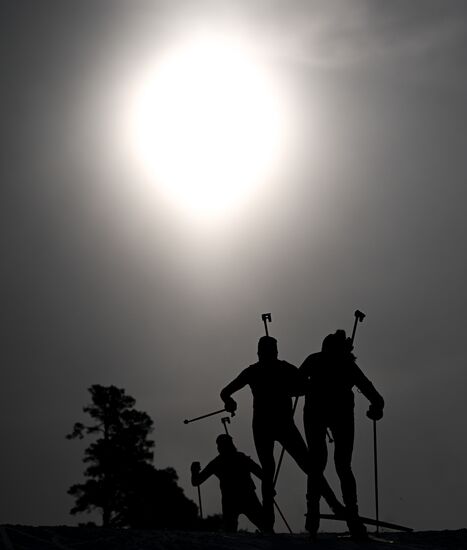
(329,403)
(273,382)
(238,490)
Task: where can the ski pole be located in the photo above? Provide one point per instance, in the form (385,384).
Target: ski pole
(283,517)
(187,421)
(200,505)
(375,457)
(359,316)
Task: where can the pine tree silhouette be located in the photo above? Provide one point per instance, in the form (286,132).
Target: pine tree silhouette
(121,482)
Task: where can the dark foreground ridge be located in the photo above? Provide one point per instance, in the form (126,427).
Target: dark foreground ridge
(20,537)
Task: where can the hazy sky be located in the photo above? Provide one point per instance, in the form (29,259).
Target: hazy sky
(105,281)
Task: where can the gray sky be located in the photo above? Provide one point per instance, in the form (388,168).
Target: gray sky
(102,285)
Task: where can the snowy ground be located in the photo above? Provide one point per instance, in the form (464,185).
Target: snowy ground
(17,537)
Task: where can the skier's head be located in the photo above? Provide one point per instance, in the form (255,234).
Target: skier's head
(340,341)
(267,348)
(337,343)
(225,444)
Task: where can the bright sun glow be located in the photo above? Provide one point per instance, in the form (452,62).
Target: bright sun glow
(206,124)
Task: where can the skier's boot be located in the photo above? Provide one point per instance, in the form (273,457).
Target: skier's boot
(356,526)
(268,509)
(312,518)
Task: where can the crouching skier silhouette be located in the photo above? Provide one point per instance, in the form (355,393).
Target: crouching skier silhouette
(238,490)
(273,382)
(329,403)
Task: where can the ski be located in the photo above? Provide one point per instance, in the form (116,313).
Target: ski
(369,538)
(370,521)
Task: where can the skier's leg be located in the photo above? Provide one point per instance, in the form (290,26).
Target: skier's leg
(343,431)
(315,432)
(229,515)
(253,510)
(289,436)
(306,457)
(264,444)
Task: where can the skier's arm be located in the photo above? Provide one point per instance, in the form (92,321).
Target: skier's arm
(306,369)
(375,411)
(298,381)
(237,384)
(255,468)
(199,476)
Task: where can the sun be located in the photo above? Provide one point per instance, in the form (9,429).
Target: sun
(206,124)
